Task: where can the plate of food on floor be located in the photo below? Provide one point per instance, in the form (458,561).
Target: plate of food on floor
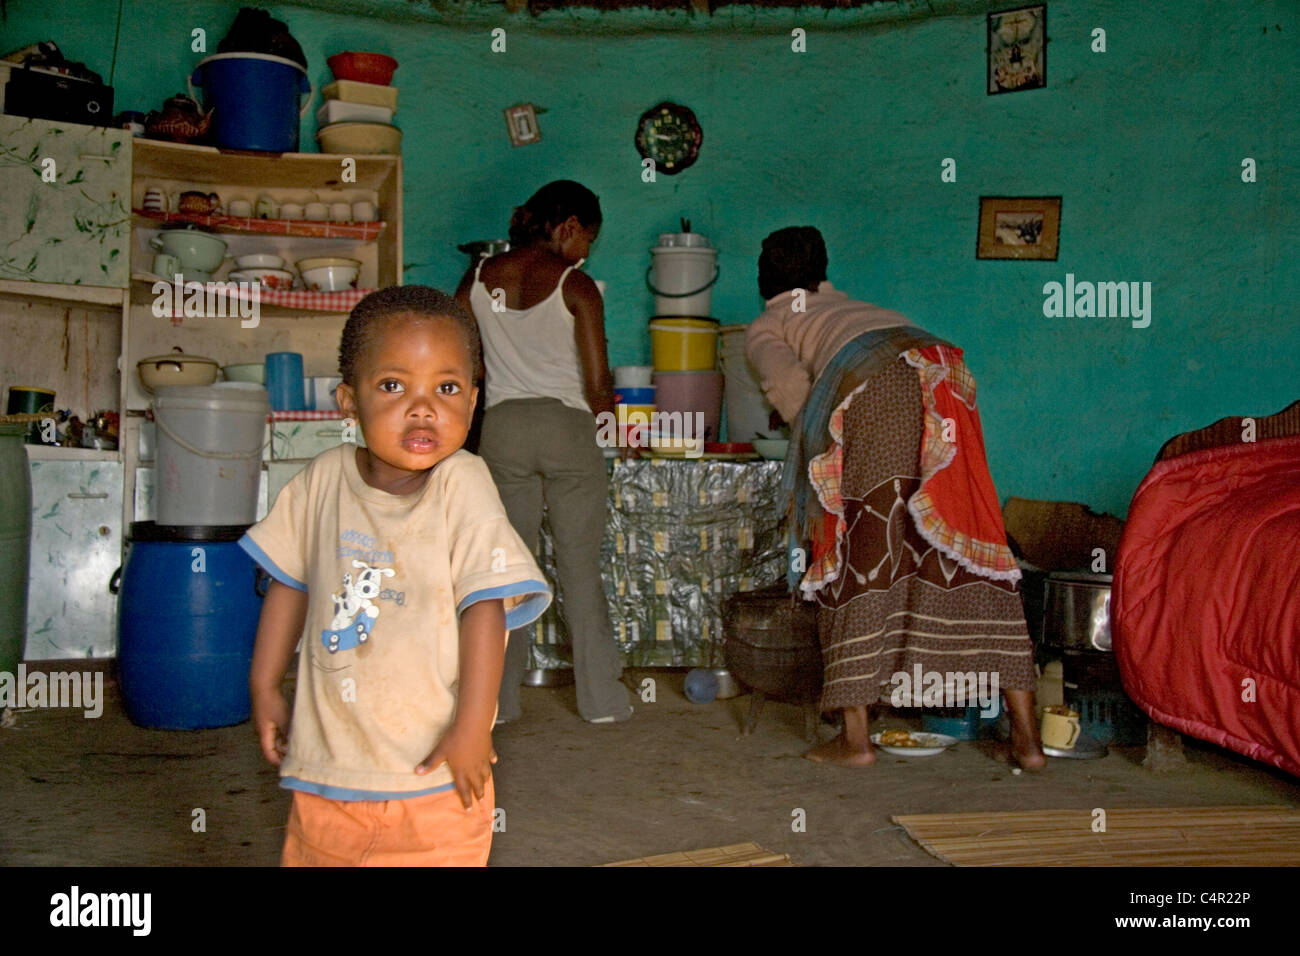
(912,743)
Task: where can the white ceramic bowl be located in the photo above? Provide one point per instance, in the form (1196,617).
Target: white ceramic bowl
(271,278)
(259,260)
(315,262)
(330,278)
(633,376)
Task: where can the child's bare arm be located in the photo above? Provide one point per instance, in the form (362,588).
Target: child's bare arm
(466,748)
(284,609)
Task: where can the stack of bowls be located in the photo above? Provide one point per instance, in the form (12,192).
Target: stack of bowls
(263,268)
(358,113)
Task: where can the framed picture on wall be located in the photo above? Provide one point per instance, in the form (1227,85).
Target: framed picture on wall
(1018,227)
(1017,49)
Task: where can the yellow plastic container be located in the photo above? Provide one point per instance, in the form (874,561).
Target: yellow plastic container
(684,345)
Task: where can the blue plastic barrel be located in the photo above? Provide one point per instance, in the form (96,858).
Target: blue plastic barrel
(187,616)
(254,99)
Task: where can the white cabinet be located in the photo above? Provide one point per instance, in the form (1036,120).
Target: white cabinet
(65,214)
(76,547)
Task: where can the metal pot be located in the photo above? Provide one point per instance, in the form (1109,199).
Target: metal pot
(176,368)
(772,644)
(1076,611)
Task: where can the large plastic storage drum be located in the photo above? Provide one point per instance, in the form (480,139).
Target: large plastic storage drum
(748,410)
(15,538)
(210,440)
(683,344)
(254,100)
(187,617)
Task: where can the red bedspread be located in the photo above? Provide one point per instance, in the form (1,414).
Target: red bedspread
(1205,606)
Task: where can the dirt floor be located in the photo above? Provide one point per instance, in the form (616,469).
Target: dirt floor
(678,776)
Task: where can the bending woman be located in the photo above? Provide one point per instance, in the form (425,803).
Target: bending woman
(547,377)
(906,551)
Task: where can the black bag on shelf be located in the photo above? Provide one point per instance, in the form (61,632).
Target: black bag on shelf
(254,31)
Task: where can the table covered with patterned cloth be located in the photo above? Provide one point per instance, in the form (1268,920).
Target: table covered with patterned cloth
(681,537)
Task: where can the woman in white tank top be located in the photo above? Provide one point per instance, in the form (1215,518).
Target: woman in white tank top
(543,329)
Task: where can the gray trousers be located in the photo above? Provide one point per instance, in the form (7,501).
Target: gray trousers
(542,452)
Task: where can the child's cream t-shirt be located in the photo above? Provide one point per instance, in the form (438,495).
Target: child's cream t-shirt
(387,577)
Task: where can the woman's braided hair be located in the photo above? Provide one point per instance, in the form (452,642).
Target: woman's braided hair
(549,207)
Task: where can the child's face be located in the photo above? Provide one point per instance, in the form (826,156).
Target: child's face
(414,397)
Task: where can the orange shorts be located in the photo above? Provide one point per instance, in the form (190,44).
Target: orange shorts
(432,830)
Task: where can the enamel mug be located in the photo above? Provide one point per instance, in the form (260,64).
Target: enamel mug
(340,211)
(166,265)
(241,208)
(291,210)
(317,210)
(364,211)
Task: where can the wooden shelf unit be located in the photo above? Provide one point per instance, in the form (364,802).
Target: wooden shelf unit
(288,177)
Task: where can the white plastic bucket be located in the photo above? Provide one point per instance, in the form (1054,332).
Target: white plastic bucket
(210,440)
(682,279)
(747,407)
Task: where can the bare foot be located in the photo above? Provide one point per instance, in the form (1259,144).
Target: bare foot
(840,753)
(1025,749)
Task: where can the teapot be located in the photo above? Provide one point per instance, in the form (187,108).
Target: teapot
(199,203)
(180,121)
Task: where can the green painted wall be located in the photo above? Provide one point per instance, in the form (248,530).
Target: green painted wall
(1144,143)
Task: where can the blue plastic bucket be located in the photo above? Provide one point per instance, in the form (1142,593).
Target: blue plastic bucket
(187,618)
(254,100)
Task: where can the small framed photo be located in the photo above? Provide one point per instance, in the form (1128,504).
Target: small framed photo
(521,121)
(1016,227)
(1017,49)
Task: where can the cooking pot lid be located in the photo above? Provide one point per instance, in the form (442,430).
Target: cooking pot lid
(173,357)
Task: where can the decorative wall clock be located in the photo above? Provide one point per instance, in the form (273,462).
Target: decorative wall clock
(1018,49)
(670,135)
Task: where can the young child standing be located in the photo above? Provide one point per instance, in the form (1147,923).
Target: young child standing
(397,566)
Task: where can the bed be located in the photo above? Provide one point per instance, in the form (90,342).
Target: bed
(1205,606)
